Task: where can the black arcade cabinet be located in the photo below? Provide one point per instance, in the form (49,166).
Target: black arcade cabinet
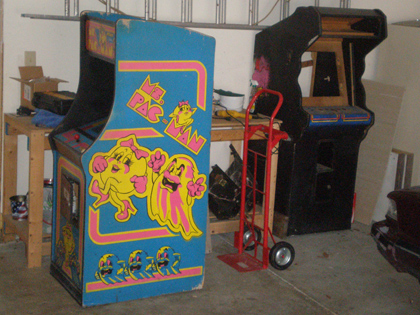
(317,167)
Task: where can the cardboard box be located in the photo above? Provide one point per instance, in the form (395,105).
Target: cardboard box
(32,80)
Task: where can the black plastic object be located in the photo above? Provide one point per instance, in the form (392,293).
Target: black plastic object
(234,172)
(57,102)
(24,111)
(398,236)
(224,195)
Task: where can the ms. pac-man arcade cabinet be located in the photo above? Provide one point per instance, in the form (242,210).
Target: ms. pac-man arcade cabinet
(317,168)
(131,162)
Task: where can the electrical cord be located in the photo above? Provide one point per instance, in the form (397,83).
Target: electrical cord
(271,11)
(230,116)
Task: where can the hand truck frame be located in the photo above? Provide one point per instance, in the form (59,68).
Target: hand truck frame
(281,255)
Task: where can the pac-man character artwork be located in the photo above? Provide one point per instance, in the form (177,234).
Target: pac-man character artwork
(111,269)
(67,254)
(140,266)
(171,184)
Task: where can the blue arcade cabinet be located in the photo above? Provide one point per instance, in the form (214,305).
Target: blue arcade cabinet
(131,162)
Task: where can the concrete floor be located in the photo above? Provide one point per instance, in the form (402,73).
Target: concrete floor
(333,273)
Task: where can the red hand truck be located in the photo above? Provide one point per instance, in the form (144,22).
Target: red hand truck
(282,254)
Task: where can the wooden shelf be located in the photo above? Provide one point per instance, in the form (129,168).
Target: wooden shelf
(342,27)
(233,130)
(30,231)
(231,225)
(347,34)
(21,229)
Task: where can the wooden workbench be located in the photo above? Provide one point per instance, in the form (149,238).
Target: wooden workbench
(233,130)
(29,231)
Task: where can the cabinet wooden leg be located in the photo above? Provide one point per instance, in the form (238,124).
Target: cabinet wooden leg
(9,183)
(36,186)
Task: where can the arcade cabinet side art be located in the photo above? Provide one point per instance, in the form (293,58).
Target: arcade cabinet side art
(146,171)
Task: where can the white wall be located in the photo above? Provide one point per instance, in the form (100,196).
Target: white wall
(57,46)
(399,64)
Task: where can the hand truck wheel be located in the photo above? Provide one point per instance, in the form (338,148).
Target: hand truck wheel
(281,255)
(248,237)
